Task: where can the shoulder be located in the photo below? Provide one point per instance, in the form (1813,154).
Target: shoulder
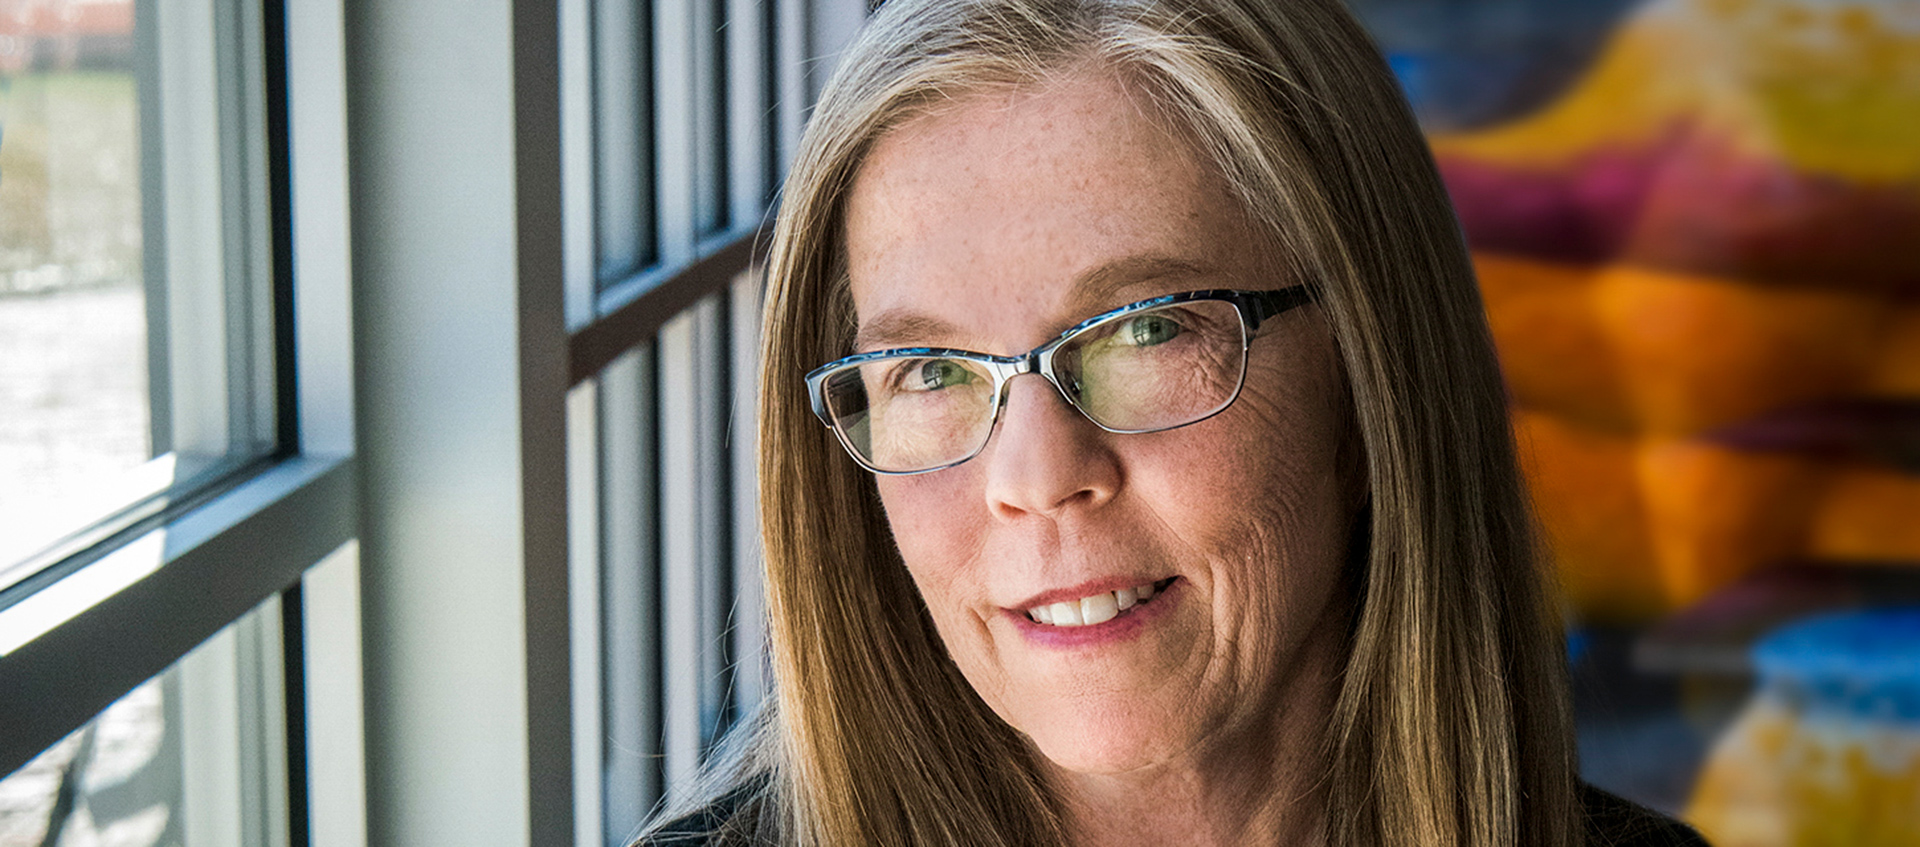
(733,820)
(1612,821)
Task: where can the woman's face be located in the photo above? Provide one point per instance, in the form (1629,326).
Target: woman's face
(993,225)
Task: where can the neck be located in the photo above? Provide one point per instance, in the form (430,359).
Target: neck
(1262,783)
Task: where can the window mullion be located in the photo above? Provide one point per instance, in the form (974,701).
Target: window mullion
(631,604)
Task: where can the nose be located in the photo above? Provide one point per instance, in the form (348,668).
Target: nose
(1045,457)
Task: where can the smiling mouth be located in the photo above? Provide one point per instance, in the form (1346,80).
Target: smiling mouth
(1098,608)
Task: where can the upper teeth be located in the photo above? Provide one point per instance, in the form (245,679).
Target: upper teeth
(1087,611)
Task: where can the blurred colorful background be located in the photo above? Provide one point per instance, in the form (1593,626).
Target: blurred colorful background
(1697,229)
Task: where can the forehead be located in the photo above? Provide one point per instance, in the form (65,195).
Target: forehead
(1004,215)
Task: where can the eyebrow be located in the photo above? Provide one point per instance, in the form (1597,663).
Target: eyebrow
(897,327)
(1094,291)
(1099,289)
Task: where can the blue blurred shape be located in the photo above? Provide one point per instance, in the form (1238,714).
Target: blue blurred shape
(1470,63)
(1577,641)
(1859,664)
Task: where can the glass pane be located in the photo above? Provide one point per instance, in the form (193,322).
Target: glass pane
(74,411)
(127,748)
(123,781)
(623,139)
(133,262)
(710,116)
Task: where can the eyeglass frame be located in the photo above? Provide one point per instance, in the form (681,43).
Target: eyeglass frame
(1254,307)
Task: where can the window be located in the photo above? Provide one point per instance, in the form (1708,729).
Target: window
(136,286)
(695,106)
(163,483)
(545,498)
(196,755)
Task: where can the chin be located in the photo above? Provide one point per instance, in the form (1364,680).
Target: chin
(1099,736)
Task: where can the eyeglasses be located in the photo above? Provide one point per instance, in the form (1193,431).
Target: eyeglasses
(1145,367)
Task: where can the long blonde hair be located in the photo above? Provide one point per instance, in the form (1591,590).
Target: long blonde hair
(1452,725)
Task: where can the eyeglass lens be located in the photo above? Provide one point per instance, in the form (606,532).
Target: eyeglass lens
(1142,371)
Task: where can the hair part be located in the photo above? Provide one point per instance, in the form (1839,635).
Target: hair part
(1452,725)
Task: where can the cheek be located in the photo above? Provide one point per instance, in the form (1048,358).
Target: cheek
(1296,405)
(937,536)
(1261,485)
(1264,499)
(1272,447)
(1275,522)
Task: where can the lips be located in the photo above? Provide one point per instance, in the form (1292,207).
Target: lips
(1096,608)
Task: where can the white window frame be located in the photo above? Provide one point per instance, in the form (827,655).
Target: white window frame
(152,593)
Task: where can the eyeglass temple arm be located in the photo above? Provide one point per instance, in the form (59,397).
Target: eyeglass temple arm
(1269,304)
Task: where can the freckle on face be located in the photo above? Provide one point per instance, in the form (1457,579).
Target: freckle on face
(984,217)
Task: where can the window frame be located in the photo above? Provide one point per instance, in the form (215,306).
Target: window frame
(663,382)
(141,598)
(328,489)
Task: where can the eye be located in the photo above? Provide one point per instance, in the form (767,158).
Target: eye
(1149,330)
(941,373)
(933,375)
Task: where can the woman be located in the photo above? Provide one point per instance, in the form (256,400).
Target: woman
(1166,493)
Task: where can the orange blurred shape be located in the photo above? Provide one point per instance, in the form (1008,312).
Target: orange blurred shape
(1897,373)
(1697,353)
(1873,802)
(1869,514)
(1553,351)
(1781,779)
(1738,797)
(1668,354)
(1588,500)
(1716,514)
(1641,527)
